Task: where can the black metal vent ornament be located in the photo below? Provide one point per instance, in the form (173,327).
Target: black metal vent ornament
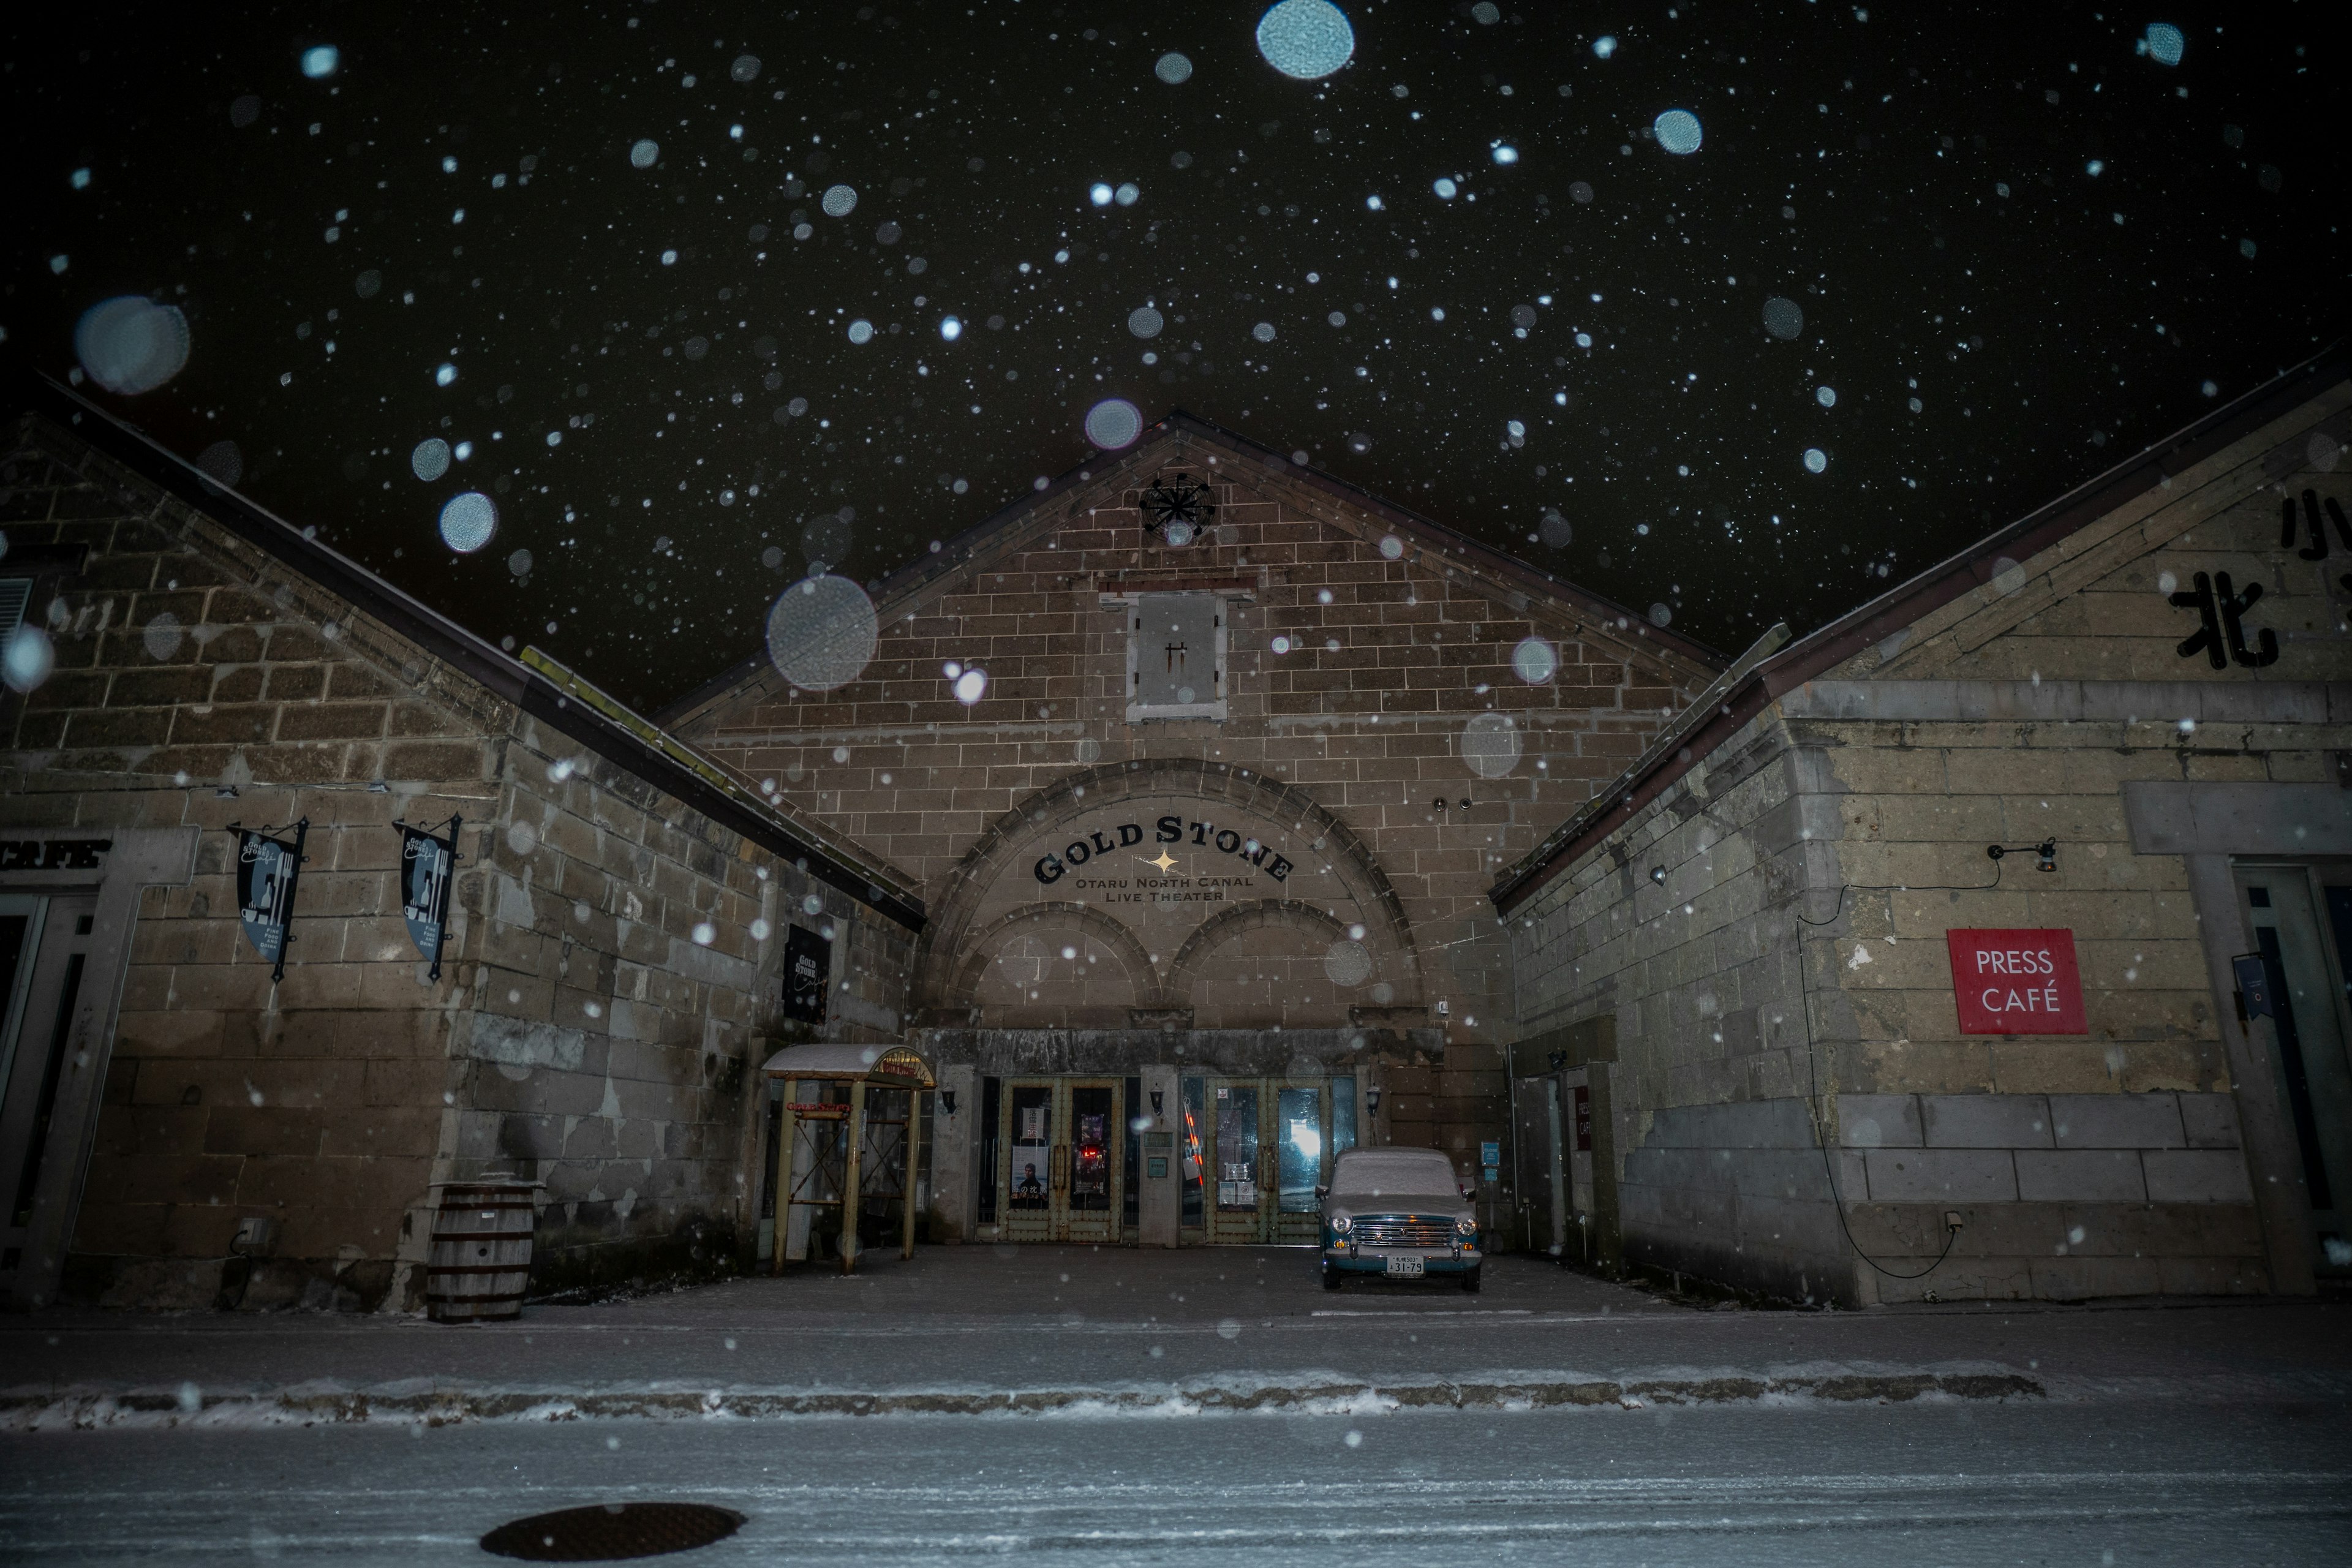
(1177,509)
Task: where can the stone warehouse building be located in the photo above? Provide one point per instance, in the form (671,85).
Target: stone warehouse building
(1812,1023)
(1201,763)
(182,1124)
(1189,896)
(1196,817)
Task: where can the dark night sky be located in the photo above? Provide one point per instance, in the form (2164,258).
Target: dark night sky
(2022,246)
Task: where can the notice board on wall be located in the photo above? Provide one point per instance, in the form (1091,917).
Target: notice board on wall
(2017,982)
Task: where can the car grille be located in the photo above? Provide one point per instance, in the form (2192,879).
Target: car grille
(1404,1230)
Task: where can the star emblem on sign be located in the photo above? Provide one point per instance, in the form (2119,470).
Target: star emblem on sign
(1164,862)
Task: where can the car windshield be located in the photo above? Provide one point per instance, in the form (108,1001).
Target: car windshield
(1365,1173)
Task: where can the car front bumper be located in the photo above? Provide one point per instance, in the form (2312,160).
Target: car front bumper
(1350,1261)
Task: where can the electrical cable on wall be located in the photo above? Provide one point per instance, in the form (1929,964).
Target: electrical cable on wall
(2045,859)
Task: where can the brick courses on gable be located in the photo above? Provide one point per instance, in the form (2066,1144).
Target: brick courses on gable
(582,1032)
(1364,716)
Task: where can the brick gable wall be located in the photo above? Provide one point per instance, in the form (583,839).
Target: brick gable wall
(587,1030)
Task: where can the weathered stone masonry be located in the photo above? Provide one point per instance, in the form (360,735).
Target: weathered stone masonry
(1753,954)
(605,989)
(1397,634)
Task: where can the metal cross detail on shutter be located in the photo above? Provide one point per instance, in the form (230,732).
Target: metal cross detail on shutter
(1175,660)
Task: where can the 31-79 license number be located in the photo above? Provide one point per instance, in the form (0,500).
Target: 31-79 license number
(1405,1268)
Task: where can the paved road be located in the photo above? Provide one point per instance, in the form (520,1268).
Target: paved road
(2104,1482)
(2205,1433)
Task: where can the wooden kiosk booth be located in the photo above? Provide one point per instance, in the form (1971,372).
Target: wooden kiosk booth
(852,1132)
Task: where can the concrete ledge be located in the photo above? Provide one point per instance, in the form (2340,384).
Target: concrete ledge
(43,1410)
(1957,1176)
(1986,1121)
(2071,702)
(2210,1121)
(1879,1120)
(2176,818)
(2117,1122)
(2088,1175)
(2196,1177)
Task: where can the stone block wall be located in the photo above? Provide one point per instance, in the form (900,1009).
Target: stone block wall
(1788,982)
(585,1030)
(1687,934)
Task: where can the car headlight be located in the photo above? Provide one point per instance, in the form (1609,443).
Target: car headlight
(1465,1226)
(1341,1225)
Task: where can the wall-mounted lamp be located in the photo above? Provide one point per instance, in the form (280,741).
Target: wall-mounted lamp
(2045,854)
(1373,1100)
(1658,875)
(947,1101)
(1159,1098)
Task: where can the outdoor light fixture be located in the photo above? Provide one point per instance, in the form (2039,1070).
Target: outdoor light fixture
(1158,1098)
(947,1101)
(1177,509)
(2045,854)
(1658,875)
(1373,1100)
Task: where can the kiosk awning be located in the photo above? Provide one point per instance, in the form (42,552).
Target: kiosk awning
(887,1067)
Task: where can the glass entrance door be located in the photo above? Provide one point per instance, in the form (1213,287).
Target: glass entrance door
(1238,1211)
(1060,1179)
(1271,1144)
(2302,927)
(44,946)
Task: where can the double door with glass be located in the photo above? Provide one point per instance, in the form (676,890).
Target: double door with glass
(45,946)
(1061,1177)
(2300,918)
(1259,1148)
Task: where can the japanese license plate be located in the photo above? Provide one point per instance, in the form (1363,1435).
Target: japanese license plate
(1405,1268)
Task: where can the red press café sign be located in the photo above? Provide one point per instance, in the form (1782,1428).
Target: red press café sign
(2017,982)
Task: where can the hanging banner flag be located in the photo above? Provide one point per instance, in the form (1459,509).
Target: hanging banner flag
(267,870)
(808,962)
(426,865)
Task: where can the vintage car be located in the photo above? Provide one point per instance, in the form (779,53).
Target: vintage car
(1400,1214)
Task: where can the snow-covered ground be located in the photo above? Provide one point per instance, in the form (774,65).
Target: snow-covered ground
(1145,1408)
(1045,1330)
(1961,1482)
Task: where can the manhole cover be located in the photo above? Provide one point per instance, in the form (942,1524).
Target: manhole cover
(615,1530)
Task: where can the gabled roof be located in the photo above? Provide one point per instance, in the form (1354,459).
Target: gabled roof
(1721,713)
(1033,516)
(532,682)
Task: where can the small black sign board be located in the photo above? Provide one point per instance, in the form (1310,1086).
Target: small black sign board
(808,967)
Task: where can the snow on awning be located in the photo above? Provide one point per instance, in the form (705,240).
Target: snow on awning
(895,1067)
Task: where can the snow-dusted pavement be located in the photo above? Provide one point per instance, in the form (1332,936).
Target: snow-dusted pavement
(1956,1482)
(1142,1406)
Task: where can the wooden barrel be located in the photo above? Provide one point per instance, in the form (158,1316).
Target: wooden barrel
(480,1261)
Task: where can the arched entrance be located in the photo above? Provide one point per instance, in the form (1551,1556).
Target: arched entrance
(1157,979)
